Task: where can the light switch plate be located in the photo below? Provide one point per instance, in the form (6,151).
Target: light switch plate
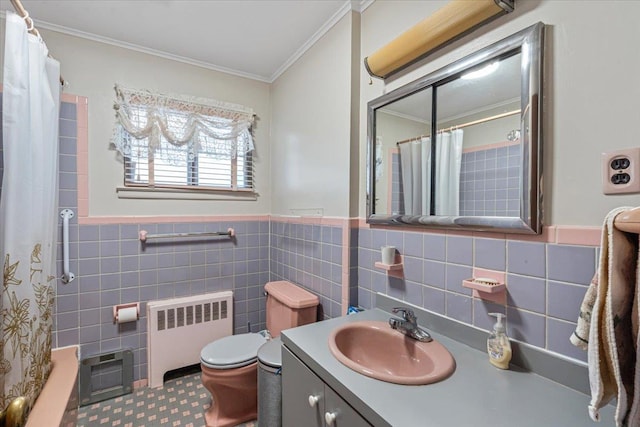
(617,176)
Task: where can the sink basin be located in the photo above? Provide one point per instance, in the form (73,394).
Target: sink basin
(376,350)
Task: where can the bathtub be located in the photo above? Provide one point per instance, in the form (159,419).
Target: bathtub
(57,404)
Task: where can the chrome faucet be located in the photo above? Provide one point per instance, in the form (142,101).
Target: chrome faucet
(408,325)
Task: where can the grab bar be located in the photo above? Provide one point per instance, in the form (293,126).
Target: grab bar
(144,236)
(66,215)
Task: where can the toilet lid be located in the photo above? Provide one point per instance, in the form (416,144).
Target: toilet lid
(231,352)
(271,353)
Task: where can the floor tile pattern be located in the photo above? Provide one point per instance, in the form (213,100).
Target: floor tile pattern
(180,402)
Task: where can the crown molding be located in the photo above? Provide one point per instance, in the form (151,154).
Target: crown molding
(137,48)
(347,7)
(364,4)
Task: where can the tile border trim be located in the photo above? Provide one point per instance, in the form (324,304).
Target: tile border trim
(555,234)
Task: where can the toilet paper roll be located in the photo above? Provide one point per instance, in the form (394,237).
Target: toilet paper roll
(129,314)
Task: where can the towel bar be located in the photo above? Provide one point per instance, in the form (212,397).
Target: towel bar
(144,236)
(628,221)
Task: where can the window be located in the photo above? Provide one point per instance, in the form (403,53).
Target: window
(173,142)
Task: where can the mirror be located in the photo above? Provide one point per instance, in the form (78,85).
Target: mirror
(483,169)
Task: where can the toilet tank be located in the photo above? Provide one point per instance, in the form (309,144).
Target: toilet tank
(288,306)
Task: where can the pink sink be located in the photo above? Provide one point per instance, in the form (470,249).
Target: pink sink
(377,351)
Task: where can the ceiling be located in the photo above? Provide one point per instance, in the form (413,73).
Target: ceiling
(258,39)
(460,98)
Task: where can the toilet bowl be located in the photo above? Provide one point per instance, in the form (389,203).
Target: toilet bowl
(229,370)
(229,364)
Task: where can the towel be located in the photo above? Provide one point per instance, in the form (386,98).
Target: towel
(580,337)
(609,313)
(634,413)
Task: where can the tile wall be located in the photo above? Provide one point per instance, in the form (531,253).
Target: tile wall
(489,182)
(114,267)
(546,282)
(309,255)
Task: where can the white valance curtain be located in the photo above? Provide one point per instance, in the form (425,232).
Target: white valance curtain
(177,128)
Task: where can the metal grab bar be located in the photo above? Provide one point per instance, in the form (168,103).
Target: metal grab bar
(66,215)
(144,236)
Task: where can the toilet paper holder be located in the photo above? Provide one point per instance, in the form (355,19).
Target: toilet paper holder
(118,307)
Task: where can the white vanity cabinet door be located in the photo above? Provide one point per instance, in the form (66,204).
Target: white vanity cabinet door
(307,401)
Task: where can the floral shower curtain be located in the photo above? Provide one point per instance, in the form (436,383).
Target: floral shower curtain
(28,211)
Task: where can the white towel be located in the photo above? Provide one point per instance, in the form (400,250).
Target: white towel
(612,339)
(634,412)
(580,337)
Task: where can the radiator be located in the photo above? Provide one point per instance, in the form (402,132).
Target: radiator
(178,329)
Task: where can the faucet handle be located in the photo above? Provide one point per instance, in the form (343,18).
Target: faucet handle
(407,313)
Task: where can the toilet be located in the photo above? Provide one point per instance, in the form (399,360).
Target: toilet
(229,364)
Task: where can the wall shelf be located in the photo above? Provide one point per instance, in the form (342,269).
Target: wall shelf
(496,293)
(389,267)
(482,287)
(393,270)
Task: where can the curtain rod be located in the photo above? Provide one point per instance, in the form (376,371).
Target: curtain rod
(17,5)
(464,125)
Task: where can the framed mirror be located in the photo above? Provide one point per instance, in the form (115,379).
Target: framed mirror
(483,169)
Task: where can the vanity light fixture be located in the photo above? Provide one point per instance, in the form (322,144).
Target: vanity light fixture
(455,19)
(482,72)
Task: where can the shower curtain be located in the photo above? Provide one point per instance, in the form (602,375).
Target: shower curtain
(28,211)
(415,158)
(448,163)
(415,163)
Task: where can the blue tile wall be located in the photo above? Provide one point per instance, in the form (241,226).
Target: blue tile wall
(489,182)
(114,267)
(546,282)
(310,255)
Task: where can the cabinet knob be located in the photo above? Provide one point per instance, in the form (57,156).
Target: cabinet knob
(313,400)
(330,418)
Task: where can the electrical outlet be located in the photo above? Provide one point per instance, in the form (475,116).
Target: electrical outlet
(621,171)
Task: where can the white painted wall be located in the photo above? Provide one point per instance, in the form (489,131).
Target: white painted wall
(592,98)
(93,68)
(592,101)
(310,129)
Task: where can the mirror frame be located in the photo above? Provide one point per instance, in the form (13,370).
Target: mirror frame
(530,43)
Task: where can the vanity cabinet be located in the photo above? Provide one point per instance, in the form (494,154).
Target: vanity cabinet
(308,401)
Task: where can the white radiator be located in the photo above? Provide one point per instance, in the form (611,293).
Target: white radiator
(178,329)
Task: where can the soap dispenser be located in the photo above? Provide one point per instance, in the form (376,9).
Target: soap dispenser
(498,345)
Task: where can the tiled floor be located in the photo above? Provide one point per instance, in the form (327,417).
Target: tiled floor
(180,402)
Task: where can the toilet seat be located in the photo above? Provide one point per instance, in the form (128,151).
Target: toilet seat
(270,354)
(232,352)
